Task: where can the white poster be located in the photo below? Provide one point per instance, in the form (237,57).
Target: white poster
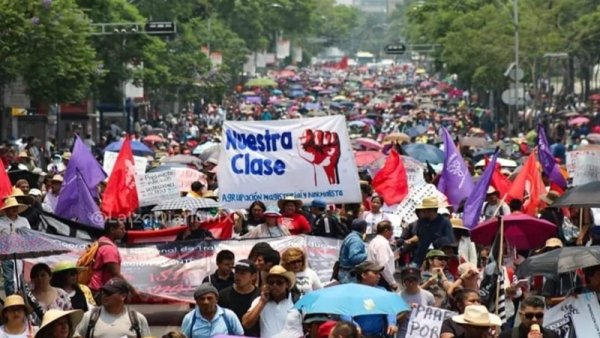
(270,160)
(250,66)
(261,59)
(156,187)
(426,321)
(583,166)
(297,54)
(575,317)
(283,49)
(187,176)
(111,157)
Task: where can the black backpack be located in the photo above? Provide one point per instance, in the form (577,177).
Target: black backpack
(95,315)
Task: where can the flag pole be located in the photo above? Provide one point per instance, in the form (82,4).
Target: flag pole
(499,206)
(499,261)
(580,219)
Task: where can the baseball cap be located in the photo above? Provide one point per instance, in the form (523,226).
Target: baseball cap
(245,265)
(409,273)
(318,203)
(116,285)
(367,266)
(435,253)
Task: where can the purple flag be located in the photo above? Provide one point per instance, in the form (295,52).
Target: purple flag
(82,162)
(76,202)
(547,160)
(455,182)
(472,208)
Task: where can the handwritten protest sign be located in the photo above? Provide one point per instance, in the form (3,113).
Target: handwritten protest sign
(187,176)
(269,160)
(111,157)
(156,187)
(583,166)
(426,321)
(575,317)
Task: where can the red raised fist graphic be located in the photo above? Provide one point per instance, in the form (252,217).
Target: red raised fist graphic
(321,149)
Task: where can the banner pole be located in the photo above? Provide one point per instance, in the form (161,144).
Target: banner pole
(499,262)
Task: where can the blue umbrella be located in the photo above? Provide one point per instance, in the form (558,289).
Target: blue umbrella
(416,130)
(352,300)
(424,152)
(137,147)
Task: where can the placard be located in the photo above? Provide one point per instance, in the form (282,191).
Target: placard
(111,157)
(187,176)
(426,321)
(583,166)
(575,317)
(156,187)
(271,160)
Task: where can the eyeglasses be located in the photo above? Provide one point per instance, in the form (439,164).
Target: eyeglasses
(276,282)
(538,315)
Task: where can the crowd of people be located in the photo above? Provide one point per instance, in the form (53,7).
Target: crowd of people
(427,261)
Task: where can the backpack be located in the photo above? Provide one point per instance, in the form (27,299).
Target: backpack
(95,315)
(225,317)
(86,262)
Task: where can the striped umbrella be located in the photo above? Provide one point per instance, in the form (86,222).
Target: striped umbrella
(186,203)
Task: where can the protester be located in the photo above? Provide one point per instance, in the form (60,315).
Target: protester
(295,260)
(344,329)
(368,273)
(264,262)
(242,293)
(270,309)
(270,228)
(43,296)
(323,224)
(413,295)
(14,318)
(380,252)
(254,217)
(352,252)
(467,251)
(494,206)
(375,215)
(291,218)
(208,319)
(51,198)
(64,276)
(113,318)
(194,230)
(430,227)
(10,221)
(462,299)
(531,312)
(59,324)
(477,322)
(223,277)
(196,190)
(436,278)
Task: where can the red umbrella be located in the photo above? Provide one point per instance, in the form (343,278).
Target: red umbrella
(153,138)
(578,120)
(364,158)
(368,143)
(520,230)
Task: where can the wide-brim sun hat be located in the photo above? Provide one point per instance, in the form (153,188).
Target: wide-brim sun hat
(477,315)
(21,197)
(12,301)
(280,271)
(429,203)
(53,315)
(66,265)
(281,203)
(12,202)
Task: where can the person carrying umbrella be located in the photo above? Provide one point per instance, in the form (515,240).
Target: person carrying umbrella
(10,221)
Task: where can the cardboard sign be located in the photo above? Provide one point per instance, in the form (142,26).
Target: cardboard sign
(111,157)
(575,317)
(187,176)
(583,166)
(270,160)
(156,187)
(426,321)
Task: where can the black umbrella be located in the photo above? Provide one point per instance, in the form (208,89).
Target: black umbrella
(560,261)
(30,177)
(583,196)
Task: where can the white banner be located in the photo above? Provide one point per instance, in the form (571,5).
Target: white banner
(426,321)
(261,59)
(111,157)
(283,49)
(156,187)
(297,54)
(250,66)
(583,166)
(187,176)
(269,160)
(575,317)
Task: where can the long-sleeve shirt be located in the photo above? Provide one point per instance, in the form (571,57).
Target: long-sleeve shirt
(429,231)
(380,252)
(353,251)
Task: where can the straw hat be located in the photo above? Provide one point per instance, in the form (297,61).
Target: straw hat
(280,271)
(14,300)
(11,202)
(20,196)
(477,315)
(66,155)
(23,154)
(53,315)
(550,197)
(429,203)
(57,178)
(281,203)
(458,224)
(66,265)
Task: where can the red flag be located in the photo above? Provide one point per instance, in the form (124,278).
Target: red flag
(221,227)
(391,182)
(5,185)
(501,183)
(529,181)
(120,198)
(343,64)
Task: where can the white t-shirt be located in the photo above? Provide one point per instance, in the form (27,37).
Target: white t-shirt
(4,334)
(372,220)
(307,281)
(273,316)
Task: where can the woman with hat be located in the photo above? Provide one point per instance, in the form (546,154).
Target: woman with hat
(64,276)
(59,324)
(291,218)
(307,280)
(14,317)
(51,198)
(435,278)
(270,228)
(10,221)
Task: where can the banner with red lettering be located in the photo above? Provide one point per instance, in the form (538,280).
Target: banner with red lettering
(172,271)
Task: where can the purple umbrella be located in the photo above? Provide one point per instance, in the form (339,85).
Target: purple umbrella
(367,121)
(253,99)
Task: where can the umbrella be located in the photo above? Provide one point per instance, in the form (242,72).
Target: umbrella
(560,260)
(367,143)
(153,138)
(593,137)
(137,147)
(416,131)
(186,203)
(583,196)
(365,158)
(521,230)
(367,121)
(359,124)
(352,299)
(397,137)
(424,152)
(261,82)
(339,98)
(502,161)
(578,121)
(207,150)
(31,178)
(474,141)
(185,159)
